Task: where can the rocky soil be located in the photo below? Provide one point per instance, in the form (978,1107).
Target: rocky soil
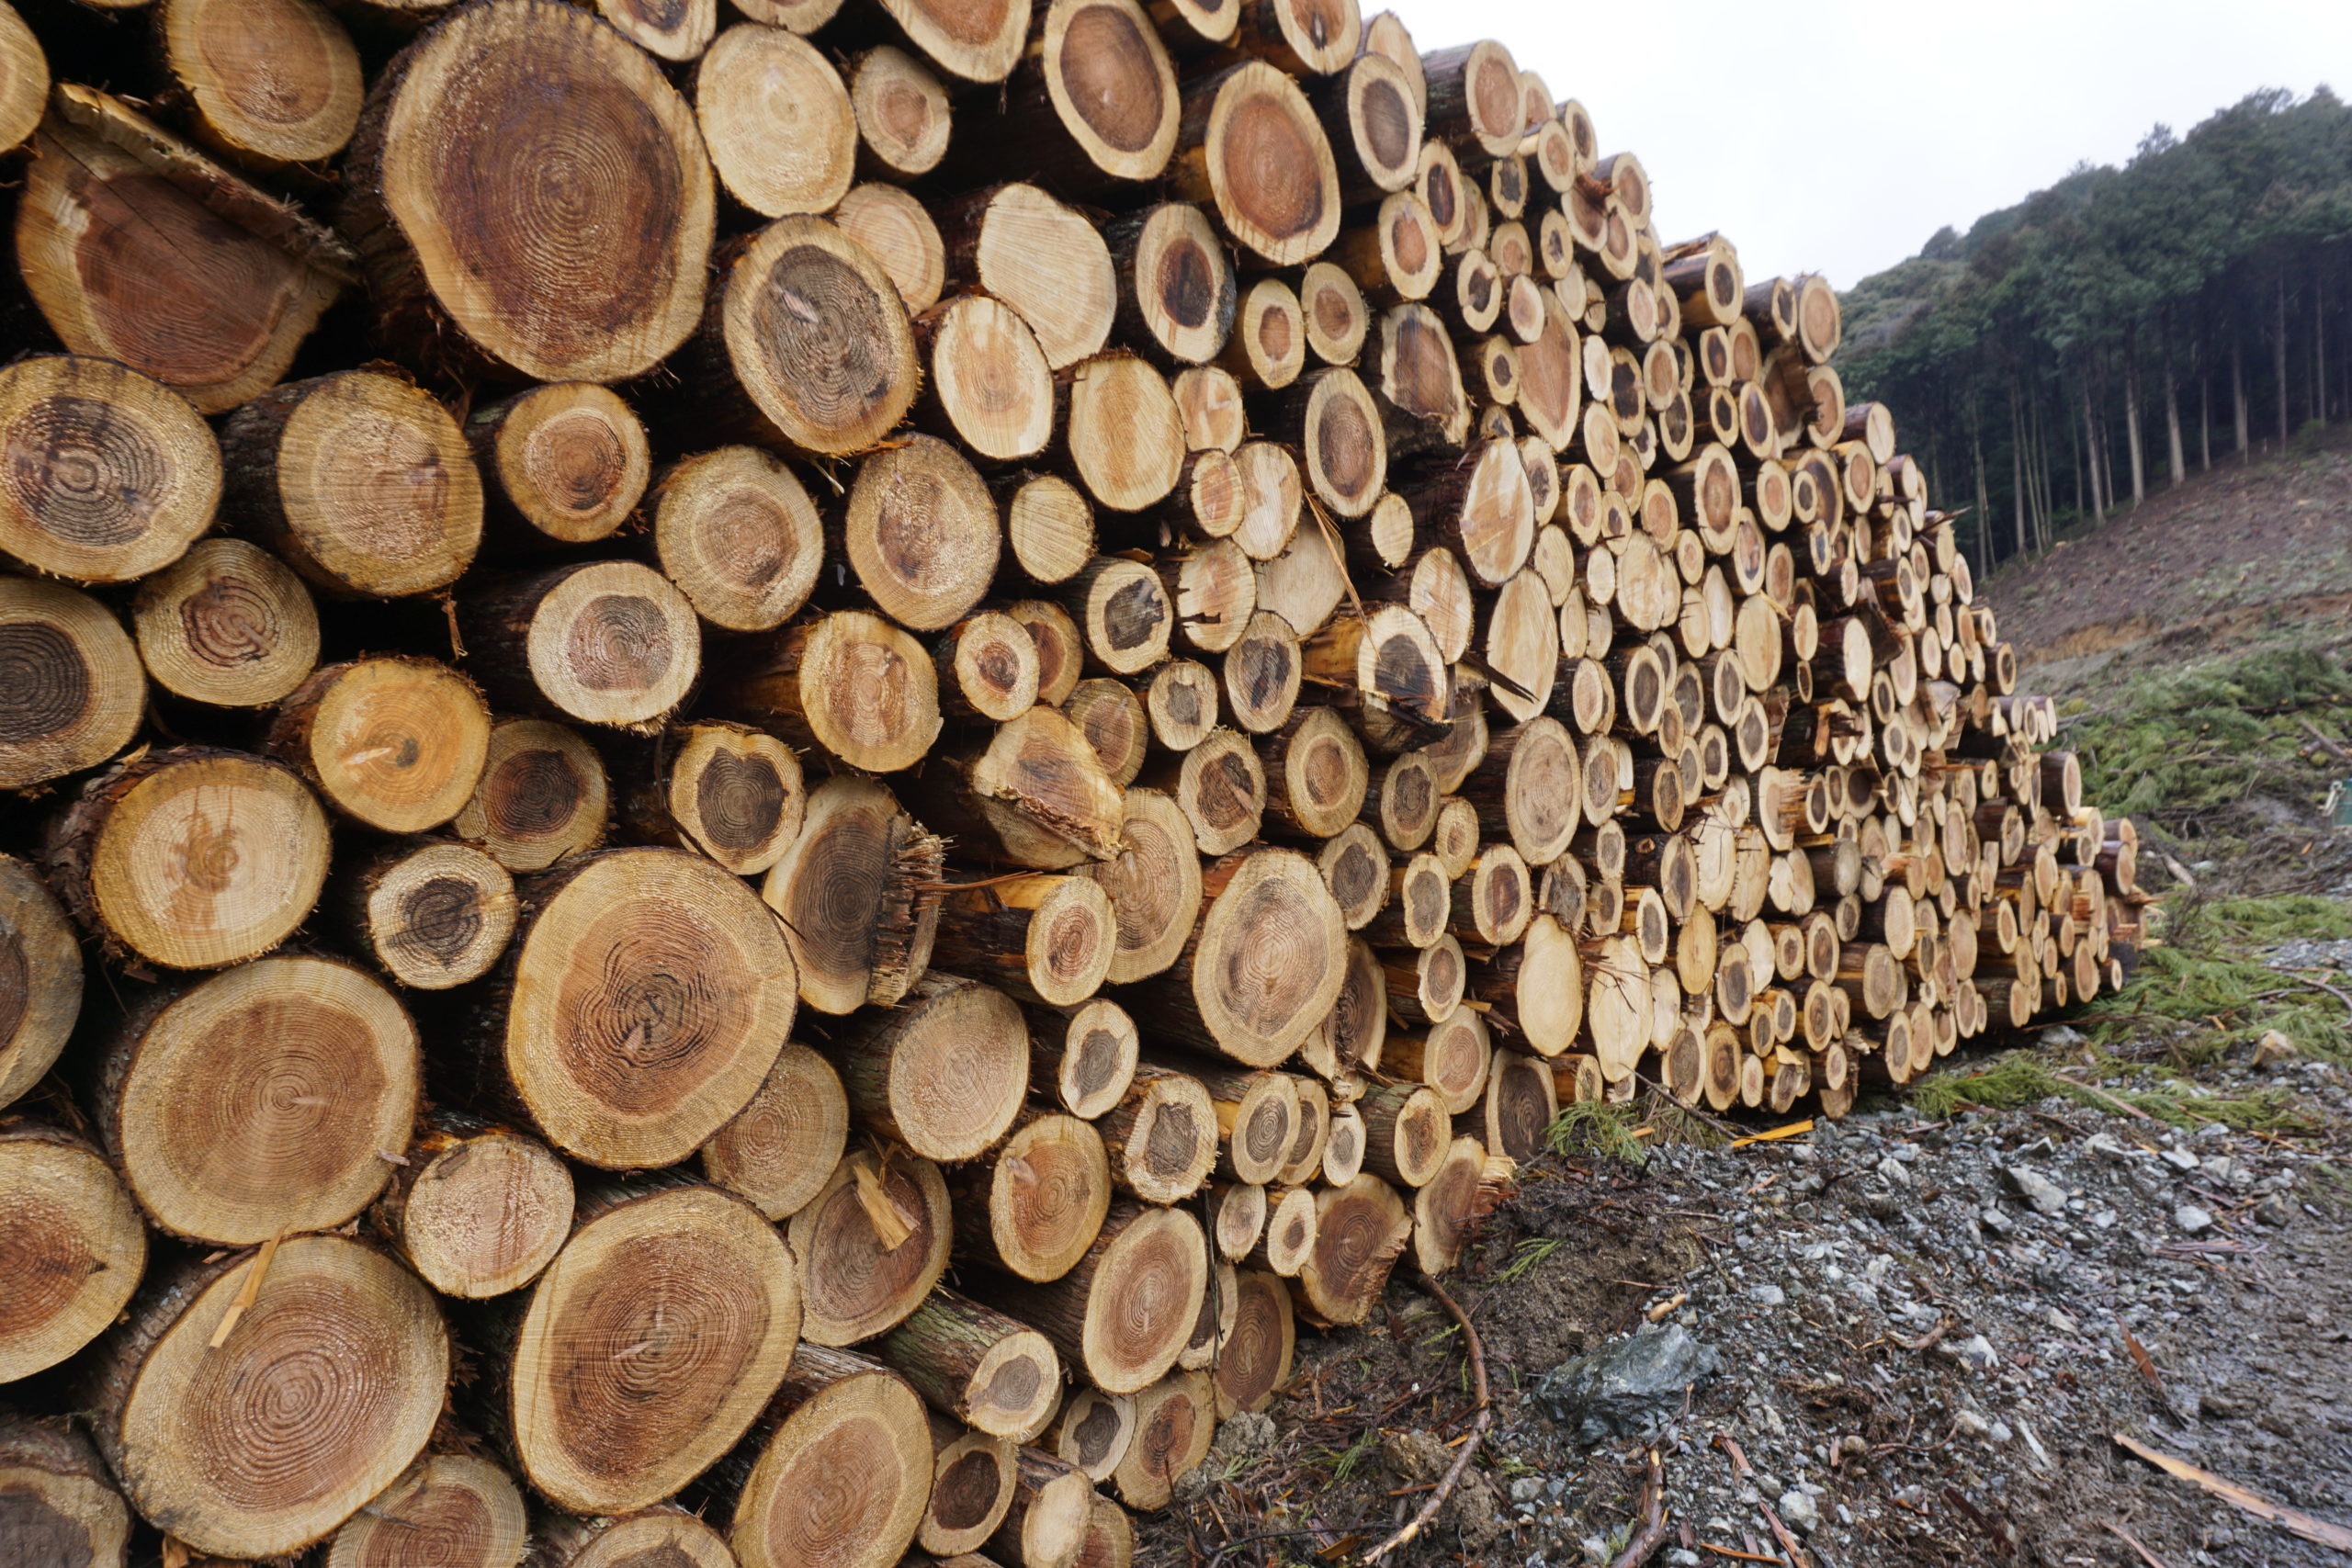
(1919,1339)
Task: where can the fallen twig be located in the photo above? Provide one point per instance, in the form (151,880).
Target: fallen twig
(1652,1535)
(2291,1519)
(1478,1424)
(1927,1341)
(2150,1558)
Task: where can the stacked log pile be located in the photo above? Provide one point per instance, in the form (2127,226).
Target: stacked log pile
(769,774)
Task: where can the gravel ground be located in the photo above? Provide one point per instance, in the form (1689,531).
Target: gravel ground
(1926,1340)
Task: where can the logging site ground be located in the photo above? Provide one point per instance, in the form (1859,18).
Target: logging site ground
(1921,1336)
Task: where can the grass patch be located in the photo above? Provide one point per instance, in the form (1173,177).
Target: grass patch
(2211,983)
(1596,1126)
(1526,1257)
(2024,1077)
(2177,741)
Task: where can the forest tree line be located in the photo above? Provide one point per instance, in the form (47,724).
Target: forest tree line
(2108,336)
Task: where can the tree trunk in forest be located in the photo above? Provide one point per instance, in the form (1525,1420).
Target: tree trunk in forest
(2279,359)
(2091,450)
(2017,469)
(2237,386)
(2180,469)
(2134,451)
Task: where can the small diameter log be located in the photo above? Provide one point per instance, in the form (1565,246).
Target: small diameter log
(1053,1502)
(199,1423)
(1038,789)
(1262,674)
(1018,244)
(1083,1056)
(971,1488)
(806,345)
(1236,1218)
(973,1363)
(1373,121)
(41,964)
(857,896)
(1220,788)
(903,117)
(730,791)
(1050,525)
(1410,356)
(1521,1101)
(647,999)
(1360,1230)
(1536,987)
(777,120)
(1125,435)
(1474,91)
(667,1535)
(1110,1538)
(1530,788)
(1181,703)
(736,531)
(1493,900)
(1418,904)
(1402,801)
(563,464)
(1257,1118)
(24,94)
(1175,1423)
(898,231)
(1044,938)
(1155,885)
(1337,316)
(455,1509)
(138,249)
(1343,1151)
(1124,1314)
(1452,1058)
(607,642)
(115,474)
(1466,1187)
(361,482)
(1255,1358)
(1116,729)
(942,1072)
(1351,1034)
(1269,348)
(76,1251)
(1424,984)
(870,1244)
(1481,507)
(850,681)
(268,87)
(397,743)
(844,1468)
(1177,292)
(1355,868)
(1249,141)
(190,859)
(227,625)
(1289,1238)
(921,533)
(1092,1431)
(1347,451)
(1034,1209)
(1161,1138)
(1124,613)
(1263,967)
(543,796)
(513,91)
(1387,662)
(698,1280)
(477,1211)
(991,386)
(1407,1129)
(1306,1157)
(431,914)
(778,1151)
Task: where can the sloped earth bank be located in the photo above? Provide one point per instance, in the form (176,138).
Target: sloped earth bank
(2024,1251)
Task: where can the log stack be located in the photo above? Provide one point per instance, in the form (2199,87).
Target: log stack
(770,774)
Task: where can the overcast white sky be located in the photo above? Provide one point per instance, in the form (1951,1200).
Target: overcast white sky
(1837,135)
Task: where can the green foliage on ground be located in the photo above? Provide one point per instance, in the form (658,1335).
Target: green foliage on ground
(2178,740)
